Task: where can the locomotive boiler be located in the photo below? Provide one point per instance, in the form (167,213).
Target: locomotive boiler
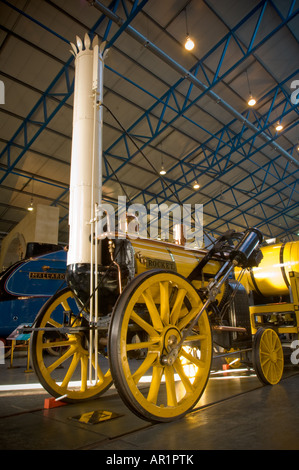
(141,314)
(273,289)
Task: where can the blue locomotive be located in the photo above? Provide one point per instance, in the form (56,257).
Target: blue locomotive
(28,284)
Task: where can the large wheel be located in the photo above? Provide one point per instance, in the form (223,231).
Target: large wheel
(148,321)
(268,359)
(67,372)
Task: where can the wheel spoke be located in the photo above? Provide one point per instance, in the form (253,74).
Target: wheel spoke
(54,323)
(61,359)
(141,345)
(198,337)
(152,309)
(84,369)
(155,384)
(277,346)
(177,307)
(100,374)
(58,344)
(71,370)
(65,305)
(164,302)
(185,379)
(143,324)
(192,359)
(265,359)
(188,318)
(170,386)
(267,343)
(146,364)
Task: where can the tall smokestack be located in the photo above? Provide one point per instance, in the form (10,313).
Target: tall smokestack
(86,162)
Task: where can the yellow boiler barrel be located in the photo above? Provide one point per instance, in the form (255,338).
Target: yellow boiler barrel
(154,254)
(271,277)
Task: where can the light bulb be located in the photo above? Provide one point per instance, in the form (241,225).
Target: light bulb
(196,185)
(189,44)
(279,126)
(162,171)
(30,208)
(251,101)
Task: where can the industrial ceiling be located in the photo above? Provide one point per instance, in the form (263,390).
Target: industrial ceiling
(185,110)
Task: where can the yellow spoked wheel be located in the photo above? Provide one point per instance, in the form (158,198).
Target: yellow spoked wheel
(268,359)
(67,372)
(148,322)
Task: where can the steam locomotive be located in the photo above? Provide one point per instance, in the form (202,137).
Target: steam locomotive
(145,315)
(156,328)
(27,284)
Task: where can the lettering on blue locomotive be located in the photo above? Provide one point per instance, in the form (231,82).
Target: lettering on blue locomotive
(47,276)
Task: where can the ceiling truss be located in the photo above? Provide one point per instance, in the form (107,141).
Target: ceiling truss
(248,172)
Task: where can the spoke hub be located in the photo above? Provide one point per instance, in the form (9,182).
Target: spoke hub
(171,338)
(273,356)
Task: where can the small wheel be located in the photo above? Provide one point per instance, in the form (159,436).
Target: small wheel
(67,373)
(148,322)
(268,359)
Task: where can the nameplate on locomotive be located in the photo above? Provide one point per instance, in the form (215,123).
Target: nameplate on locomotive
(55,276)
(154,263)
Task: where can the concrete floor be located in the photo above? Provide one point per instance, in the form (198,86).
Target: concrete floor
(236,412)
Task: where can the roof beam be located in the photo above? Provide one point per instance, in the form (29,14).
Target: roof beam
(192,78)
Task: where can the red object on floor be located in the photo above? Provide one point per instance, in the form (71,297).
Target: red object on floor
(52,403)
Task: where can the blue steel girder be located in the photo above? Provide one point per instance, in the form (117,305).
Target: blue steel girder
(41,106)
(213,156)
(201,66)
(222,55)
(214,161)
(156,129)
(264,222)
(229,214)
(279,172)
(268,170)
(21,135)
(262,190)
(209,164)
(238,138)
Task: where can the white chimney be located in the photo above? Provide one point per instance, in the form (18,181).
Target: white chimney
(86,162)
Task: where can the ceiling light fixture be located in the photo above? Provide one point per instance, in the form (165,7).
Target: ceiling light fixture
(251,101)
(30,208)
(189,44)
(279,126)
(162,171)
(196,185)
